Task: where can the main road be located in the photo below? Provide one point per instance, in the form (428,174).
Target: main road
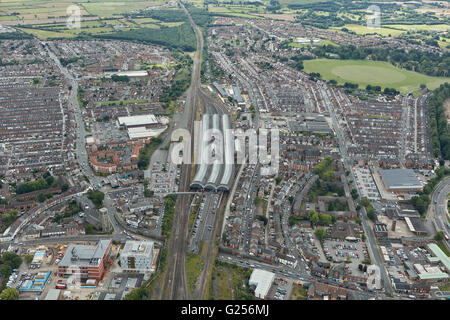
(438,215)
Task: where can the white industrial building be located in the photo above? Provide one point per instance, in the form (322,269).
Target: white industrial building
(263,280)
(142,126)
(137,256)
(138,121)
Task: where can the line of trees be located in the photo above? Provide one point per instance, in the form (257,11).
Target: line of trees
(422,201)
(440,138)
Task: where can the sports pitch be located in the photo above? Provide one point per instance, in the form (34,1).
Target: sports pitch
(364,72)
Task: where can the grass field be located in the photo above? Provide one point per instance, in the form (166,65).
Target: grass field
(298,293)
(194,266)
(362,29)
(415,27)
(51,9)
(364,72)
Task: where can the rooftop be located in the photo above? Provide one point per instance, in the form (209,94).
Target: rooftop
(400,179)
(138,120)
(84,255)
(439,255)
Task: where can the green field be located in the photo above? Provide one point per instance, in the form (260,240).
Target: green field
(46,10)
(364,72)
(416,27)
(362,29)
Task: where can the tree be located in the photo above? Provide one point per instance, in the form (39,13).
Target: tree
(5,270)
(138,294)
(325,219)
(320,233)
(12,259)
(28,258)
(64,187)
(371,214)
(97,197)
(354,193)
(313,216)
(9,294)
(278,180)
(439,236)
(41,197)
(148,193)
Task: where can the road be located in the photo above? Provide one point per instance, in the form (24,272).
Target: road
(81,153)
(371,241)
(438,214)
(296,276)
(301,265)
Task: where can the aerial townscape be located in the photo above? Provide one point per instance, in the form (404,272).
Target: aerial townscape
(224,150)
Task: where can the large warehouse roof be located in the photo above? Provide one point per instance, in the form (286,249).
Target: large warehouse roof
(439,255)
(141,120)
(262,279)
(400,179)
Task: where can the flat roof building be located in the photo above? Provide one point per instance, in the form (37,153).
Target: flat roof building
(400,180)
(138,121)
(439,256)
(137,256)
(89,262)
(263,280)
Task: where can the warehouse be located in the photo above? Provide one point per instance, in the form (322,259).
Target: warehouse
(148,120)
(400,180)
(262,280)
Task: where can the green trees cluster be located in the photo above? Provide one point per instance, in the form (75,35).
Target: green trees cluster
(422,201)
(180,83)
(71,210)
(440,138)
(10,217)
(319,189)
(15,36)
(320,233)
(262,218)
(354,194)
(66,61)
(337,205)
(162,15)
(96,196)
(169,212)
(314,217)
(9,294)
(180,37)
(35,185)
(146,152)
(138,294)
(201,17)
(325,169)
(369,209)
(117,78)
(8,262)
